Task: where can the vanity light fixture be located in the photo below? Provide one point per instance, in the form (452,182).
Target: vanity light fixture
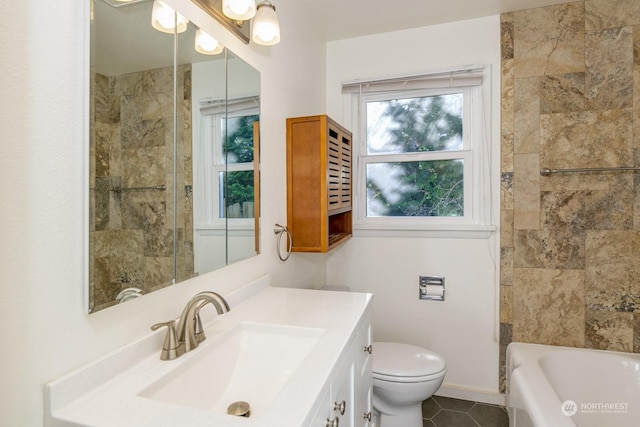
(266,27)
(207,45)
(165,19)
(240,10)
(246,20)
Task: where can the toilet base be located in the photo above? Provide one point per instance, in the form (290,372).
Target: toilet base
(400,404)
(408,416)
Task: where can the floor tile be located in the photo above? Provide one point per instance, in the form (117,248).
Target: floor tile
(489,415)
(430,408)
(453,419)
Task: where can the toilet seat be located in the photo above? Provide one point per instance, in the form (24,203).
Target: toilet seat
(397,362)
(395,379)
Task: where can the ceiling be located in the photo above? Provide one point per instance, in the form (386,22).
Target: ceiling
(342,19)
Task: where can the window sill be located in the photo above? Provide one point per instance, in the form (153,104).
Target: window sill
(233,224)
(446,231)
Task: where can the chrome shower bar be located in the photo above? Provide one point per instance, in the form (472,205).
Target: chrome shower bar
(152,187)
(547,171)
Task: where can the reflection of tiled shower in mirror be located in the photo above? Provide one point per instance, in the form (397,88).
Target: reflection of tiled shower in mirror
(131,162)
(133,127)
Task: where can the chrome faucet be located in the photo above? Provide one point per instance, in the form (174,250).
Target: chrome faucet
(184,334)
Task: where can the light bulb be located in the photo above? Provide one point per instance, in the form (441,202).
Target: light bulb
(207,45)
(164,19)
(266,28)
(240,10)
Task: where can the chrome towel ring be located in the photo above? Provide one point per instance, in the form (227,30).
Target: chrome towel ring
(280,231)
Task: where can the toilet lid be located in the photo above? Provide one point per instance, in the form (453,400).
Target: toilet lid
(405,360)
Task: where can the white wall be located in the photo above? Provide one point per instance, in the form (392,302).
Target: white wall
(463,329)
(45,332)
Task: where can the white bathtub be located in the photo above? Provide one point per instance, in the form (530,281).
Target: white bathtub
(550,386)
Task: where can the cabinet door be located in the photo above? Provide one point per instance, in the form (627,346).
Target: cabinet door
(363,387)
(342,393)
(338,167)
(363,410)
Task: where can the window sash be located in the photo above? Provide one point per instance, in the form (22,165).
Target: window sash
(362,214)
(467,107)
(385,100)
(364,158)
(212,113)
(471,133)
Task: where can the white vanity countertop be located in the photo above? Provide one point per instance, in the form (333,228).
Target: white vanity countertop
(106,392)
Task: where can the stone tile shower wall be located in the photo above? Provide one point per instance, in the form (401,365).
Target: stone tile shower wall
(570,243)
(132,146)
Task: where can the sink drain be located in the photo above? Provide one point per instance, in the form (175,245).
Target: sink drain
(239,408)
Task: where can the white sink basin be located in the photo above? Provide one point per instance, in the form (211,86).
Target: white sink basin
(276,349)
(252,362)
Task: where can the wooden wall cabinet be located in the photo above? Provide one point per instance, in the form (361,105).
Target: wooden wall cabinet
(318,183)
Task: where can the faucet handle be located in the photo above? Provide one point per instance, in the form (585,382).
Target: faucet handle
(171,347)
(197,324)
(199,330)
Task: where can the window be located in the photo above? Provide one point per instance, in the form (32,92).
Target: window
(420,153)
(228,168)
(416,149)
(235,196)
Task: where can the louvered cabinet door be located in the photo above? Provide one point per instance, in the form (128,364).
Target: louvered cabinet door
(339,167)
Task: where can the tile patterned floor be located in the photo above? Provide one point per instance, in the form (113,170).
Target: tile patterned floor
(440,411)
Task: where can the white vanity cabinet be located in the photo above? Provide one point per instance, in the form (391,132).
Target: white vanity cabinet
(346,399)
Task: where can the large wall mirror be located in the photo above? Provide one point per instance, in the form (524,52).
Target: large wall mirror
(174,155)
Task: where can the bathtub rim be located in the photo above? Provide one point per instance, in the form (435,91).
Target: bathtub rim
(540,395)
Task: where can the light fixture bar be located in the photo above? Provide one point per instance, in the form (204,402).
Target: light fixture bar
(240,29)
(240,10)
(120,3)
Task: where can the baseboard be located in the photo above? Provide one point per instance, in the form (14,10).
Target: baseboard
(475,395)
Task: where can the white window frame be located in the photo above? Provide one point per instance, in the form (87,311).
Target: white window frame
(477,218)
(212,113)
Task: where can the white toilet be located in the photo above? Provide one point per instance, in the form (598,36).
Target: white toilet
(403,376)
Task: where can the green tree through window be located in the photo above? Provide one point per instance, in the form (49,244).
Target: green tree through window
(415,188)
(239,146)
